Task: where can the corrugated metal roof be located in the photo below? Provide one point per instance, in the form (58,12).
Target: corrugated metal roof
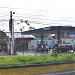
(18,35)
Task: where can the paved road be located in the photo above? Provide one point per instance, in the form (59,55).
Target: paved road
(60,73)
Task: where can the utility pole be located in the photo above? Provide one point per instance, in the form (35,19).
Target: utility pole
(11,28)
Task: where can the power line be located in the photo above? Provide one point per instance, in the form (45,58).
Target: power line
(37,15)
(39,18)
(44,19)
(49,11)
(4,7)
(34,10)
(3,20)
(3,24)
(4,15)
(43,16)
(36,22)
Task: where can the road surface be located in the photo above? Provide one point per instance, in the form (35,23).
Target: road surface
(60,73)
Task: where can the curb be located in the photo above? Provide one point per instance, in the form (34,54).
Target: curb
(36,68)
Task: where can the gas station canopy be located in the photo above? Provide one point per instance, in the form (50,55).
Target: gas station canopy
(51,29)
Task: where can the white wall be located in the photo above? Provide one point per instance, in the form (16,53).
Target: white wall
(32,44)
(50,43)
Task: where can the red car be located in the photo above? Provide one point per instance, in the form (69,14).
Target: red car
(64,47)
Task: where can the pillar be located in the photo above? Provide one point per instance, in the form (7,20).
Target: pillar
(42,38)
(59,36)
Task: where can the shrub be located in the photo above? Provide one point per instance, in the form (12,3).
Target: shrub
(55,53)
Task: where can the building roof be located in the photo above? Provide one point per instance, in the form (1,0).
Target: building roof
(18,35)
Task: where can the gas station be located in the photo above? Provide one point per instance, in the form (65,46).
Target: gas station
(58,30)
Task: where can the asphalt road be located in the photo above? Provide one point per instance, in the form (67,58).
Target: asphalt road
(60,73)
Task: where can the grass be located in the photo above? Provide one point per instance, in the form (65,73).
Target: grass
(36,59)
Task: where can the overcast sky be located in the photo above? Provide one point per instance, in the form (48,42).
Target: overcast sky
(44,12)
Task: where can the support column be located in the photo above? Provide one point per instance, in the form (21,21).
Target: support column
(42,38)
(59,36)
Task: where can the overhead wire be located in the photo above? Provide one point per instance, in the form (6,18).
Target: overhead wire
(35,15)
(4,15)
(3,24)
(36,22)
(43,16)
(43,19)
(1,20)
(34,9)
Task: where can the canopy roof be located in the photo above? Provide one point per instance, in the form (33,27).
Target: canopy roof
(51,29)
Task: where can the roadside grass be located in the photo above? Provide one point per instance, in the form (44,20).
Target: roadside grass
(36,59)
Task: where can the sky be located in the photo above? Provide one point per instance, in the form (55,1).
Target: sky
(39,13)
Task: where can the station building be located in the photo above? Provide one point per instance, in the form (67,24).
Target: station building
(21,42)
(50,35)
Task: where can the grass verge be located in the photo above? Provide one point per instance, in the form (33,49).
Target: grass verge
(36,59)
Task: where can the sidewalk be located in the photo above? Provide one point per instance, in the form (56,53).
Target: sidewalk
(24,53)
(32,53)
(3,53)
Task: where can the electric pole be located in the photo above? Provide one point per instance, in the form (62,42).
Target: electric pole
(11,28)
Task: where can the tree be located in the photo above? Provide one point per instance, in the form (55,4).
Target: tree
(3,40)
(28,24)
(31,28)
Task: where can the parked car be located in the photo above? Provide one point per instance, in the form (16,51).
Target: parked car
(42,47)
(64,47)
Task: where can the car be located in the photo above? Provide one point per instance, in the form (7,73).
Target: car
(42,47)
(64,47)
